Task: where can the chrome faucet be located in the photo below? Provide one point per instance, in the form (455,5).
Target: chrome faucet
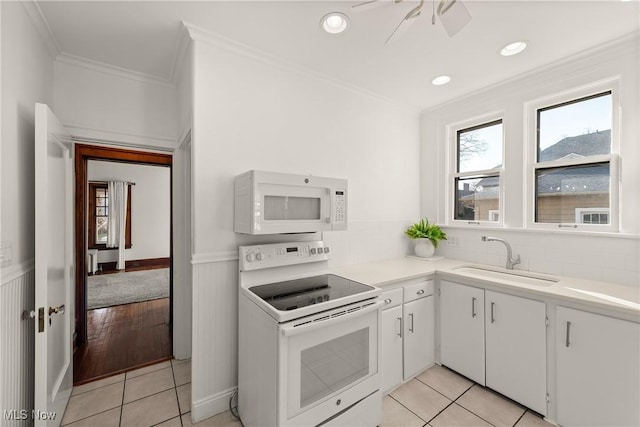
(510,260)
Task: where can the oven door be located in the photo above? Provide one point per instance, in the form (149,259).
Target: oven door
(328,363)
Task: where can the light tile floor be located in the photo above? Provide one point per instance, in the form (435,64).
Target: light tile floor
(160,395)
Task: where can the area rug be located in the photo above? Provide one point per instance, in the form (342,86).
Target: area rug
(106,290)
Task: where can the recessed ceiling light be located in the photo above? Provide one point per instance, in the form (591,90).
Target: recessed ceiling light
(441,80)
(513,48)
(334,22)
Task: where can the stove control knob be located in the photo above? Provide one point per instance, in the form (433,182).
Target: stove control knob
(250,257)
(313,251)
(326,250)
(259,256)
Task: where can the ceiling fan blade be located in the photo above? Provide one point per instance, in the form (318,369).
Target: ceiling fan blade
(366,5)
(405,23)
(454,16)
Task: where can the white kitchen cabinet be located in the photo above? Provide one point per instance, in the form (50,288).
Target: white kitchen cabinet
(418,336)
(462,330)
(516,348)
(407,343)
(597,370)
(391,348)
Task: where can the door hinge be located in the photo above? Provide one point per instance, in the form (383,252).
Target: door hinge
(439,292)
(546,397)
(546,321)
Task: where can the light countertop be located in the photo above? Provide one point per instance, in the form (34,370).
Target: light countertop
(618,299)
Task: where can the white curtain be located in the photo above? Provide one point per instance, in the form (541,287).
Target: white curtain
(117,217)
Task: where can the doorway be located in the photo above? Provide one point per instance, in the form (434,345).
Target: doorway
(123,308)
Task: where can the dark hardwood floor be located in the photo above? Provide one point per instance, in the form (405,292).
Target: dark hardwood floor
(123,337)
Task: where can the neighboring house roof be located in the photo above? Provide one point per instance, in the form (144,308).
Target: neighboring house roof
(575,180)
(589,144)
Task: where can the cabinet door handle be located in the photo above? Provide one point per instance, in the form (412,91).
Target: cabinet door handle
(420,292)
(387,301)
(473,306)
(493,320)
(411,327)
(567,343)
(399,333)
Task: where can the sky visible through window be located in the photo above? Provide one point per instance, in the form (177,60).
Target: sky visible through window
(575,119)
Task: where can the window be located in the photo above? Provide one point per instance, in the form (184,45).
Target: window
(98,214)
(476,182)
(573,169)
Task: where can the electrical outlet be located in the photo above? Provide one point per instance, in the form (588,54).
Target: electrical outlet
(6,254)
(452,241)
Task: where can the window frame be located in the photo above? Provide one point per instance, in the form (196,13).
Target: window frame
(453,130)
(532,165)
(91,234)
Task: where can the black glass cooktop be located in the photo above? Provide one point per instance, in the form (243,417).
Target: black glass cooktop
(298,293)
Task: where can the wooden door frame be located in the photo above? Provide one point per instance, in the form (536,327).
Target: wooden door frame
(82,154)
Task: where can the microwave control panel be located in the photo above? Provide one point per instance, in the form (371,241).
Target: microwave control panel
(341,205)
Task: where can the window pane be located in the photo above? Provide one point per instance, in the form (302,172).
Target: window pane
(581,128)
(101,230)
(480,147)
(101,211)
(101,201)
(101,192)
(561,192)
(478,198)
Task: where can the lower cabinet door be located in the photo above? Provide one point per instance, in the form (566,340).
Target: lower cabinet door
(418,336)
(597,370)
(516,349)
(462,329)
(391,348)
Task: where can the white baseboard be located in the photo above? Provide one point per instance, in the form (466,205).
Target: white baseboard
(211,405)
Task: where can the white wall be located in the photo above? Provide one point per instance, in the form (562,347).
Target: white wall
(253,112)
(99,102)
(150,207)
(26,78)
(608,257)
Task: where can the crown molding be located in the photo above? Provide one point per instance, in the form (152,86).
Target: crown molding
(101,67)
(180,52)
(219,41)
(37,17)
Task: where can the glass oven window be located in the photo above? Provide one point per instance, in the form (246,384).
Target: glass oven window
(332,365)
(281,208)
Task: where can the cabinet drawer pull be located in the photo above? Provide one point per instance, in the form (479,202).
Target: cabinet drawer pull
(420,292)
(399,333)
(387,301)
(567,343)
(493,319)
(473,306)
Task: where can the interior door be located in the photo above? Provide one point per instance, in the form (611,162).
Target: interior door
(53,264)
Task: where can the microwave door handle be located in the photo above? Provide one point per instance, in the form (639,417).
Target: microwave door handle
(329,219)
(291,330)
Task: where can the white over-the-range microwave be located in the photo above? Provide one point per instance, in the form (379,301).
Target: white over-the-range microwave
(277,203)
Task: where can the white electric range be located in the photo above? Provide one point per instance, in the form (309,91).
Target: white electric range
(308,340)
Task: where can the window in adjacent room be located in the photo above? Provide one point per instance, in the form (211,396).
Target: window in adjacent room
(478,170)
(98,214)
(573,169)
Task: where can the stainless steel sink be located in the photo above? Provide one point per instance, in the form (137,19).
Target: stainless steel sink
(513,276)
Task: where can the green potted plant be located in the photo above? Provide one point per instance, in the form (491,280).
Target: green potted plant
(427,236)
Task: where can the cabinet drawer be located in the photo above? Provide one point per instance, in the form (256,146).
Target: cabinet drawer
(419,290)
(391,298)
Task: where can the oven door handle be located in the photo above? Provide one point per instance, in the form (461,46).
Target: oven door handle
(291,330)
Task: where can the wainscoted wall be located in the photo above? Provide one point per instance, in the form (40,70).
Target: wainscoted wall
(215,293)
(610,259)
(17,342)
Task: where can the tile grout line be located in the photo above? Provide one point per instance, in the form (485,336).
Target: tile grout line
(124,386)
(173,372)
(518,420)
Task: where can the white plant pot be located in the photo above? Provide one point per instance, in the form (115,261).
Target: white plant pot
(424,248)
